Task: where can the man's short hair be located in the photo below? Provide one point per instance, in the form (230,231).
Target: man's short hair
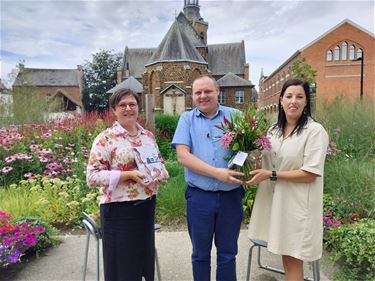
(208,76)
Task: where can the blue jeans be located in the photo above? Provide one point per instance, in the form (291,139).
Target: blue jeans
(214,215)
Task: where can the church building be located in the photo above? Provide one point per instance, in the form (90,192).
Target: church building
(183,54)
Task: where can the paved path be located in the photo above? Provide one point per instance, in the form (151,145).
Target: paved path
(174,250)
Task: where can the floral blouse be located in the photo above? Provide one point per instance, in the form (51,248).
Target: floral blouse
(111,153)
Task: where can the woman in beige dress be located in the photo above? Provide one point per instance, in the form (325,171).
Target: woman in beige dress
(288,207)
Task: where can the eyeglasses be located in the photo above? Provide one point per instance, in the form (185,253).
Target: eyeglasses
(131,105)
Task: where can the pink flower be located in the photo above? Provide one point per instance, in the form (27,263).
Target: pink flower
(329,213)
(226,139)
(6,169)
(263,142)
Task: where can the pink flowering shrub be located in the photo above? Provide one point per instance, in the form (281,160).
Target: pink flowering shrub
(58,148)
(16,239)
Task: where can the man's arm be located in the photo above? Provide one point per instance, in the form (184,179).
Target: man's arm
(196,165)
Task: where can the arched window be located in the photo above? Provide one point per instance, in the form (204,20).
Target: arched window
(329,55)
(337,53)
(351,52)
(344,51)
(359,53)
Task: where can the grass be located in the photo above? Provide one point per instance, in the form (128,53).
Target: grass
(171,202)
(19,202)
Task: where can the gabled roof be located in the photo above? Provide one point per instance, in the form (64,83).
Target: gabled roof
(224,58)
(336,27)
(176,46)
(49,77)
(172,86)
(295,54)
(135,60)
(131,83)
(232,80)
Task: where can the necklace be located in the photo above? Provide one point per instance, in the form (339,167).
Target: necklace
(132,135)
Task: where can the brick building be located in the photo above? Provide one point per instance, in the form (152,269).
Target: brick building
(60,89)
(337,58)
(168,70)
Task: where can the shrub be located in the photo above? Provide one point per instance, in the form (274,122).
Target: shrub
(353,245)
(166,125)
(58,202)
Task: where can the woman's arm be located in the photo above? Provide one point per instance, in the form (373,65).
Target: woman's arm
(302,176)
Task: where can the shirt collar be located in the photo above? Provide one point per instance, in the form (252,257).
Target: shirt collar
(199,113)
(121,131)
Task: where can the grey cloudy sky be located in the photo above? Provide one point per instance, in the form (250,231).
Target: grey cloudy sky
(63,34)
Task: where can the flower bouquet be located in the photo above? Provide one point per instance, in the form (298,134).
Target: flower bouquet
(246,135)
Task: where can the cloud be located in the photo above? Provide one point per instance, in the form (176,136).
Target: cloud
(62,34)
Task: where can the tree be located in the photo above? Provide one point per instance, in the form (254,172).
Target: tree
(302,70)
(99,76)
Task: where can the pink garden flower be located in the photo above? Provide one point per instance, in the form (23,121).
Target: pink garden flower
(6,169)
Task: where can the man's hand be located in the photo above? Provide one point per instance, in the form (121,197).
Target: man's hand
(228,176)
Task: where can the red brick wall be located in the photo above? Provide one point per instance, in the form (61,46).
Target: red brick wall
(230,93)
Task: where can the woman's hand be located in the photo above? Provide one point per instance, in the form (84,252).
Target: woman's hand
(259,175)
(134,175)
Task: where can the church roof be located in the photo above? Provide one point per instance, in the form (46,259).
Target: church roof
(232,80)
(176,46)
(135,60)
(224,58)
(49,77)
(190,32)
(131,83)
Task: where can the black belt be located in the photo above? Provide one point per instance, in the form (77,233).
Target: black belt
(140,201)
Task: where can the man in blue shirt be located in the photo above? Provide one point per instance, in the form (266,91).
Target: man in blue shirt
(213,194)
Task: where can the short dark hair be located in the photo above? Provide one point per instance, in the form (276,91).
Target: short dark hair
(281,118)
(116,97)
(203,76)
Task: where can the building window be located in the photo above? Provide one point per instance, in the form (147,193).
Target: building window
(344,51)
(240,96)
(222,97)
(337,53)
(329,55)
(359,53)
(351,52)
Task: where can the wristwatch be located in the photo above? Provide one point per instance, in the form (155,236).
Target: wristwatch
(273,176)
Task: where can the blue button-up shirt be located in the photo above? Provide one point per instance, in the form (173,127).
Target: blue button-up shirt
(198,132)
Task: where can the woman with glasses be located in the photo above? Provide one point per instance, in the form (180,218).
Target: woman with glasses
(128,185)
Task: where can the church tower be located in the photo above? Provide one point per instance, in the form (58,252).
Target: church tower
(191,11)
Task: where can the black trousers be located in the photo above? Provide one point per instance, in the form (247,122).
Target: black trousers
(128,240)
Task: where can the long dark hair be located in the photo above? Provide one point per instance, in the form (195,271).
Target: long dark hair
(281,118)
